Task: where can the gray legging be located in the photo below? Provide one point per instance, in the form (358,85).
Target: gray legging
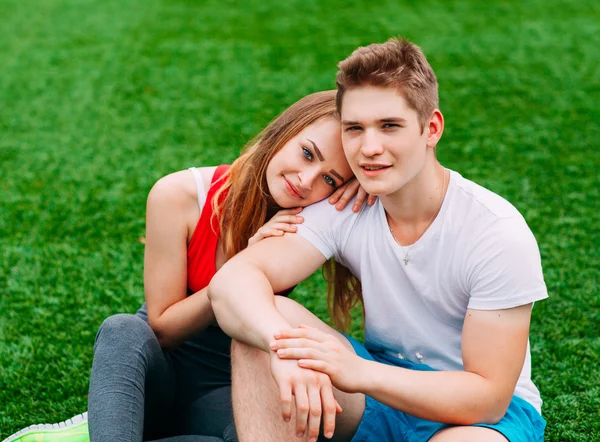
(140,392)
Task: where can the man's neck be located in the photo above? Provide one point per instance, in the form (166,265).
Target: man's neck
(412,209)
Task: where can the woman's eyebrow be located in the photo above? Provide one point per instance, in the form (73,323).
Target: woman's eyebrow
(337,175)
(319,154)
(322,158)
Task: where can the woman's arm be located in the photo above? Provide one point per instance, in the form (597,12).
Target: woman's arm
(171,215)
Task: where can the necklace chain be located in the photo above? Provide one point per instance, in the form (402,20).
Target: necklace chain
(406,258)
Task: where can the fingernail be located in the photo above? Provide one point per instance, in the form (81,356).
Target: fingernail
(300,434)
(329,434)
(273,345)
(299,219)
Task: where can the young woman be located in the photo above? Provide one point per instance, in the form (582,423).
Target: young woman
(164,373)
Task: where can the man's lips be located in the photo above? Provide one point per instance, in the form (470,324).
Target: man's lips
(371,166)
(293,190)
(373,169)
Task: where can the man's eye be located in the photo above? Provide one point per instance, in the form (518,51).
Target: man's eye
(390,125)
(307,153)
(329,180)
(353,128)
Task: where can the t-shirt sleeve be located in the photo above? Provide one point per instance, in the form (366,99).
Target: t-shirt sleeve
(504,268)
(324,227)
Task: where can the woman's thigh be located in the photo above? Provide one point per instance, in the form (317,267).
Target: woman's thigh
(211,415)
(132,384)
(202,369)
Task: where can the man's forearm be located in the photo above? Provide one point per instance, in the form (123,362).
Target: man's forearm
(243,303)
(455,397)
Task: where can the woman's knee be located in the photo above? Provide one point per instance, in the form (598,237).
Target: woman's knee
(124,330)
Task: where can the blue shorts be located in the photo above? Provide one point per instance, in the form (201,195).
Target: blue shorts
(522,422)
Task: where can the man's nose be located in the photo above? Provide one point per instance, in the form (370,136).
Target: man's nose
(371,144)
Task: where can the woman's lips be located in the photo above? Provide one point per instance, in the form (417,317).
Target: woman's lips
(292,190)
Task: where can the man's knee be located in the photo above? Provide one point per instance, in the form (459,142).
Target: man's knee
(468,434)
(243,354)
(290,310)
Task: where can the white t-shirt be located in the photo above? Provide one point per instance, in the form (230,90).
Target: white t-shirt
(478,253)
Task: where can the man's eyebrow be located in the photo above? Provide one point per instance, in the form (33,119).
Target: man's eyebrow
(319,154)
(381,120)
(337,175)
(393,120)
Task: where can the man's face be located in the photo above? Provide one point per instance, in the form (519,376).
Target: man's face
(382,138)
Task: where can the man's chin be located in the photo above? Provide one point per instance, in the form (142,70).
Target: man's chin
(375,189)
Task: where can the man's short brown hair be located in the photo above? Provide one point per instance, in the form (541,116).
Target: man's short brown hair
(397,64)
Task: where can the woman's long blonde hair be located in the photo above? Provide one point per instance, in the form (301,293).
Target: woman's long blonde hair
(242,202)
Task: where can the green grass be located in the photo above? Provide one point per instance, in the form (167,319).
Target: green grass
(100,99)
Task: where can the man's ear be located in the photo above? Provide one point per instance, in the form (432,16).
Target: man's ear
(435,128)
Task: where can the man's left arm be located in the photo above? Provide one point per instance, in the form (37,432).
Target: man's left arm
(504,277)
(494,345)
(504,274)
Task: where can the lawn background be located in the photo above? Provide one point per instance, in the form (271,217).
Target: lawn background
(100,99)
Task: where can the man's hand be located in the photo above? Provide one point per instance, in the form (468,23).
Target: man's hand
(324,353)
(313,394)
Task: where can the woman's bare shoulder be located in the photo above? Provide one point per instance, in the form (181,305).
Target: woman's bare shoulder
(179,190)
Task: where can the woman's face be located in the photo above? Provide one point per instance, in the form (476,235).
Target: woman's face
(310,166)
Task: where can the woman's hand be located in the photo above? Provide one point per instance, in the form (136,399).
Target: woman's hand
(343,194)
(324,353)
(283,221)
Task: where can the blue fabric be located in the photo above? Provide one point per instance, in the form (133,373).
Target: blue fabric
(522,422)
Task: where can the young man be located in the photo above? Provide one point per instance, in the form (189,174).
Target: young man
(449,274)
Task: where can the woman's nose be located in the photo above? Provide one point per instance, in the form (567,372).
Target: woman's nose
(307,177)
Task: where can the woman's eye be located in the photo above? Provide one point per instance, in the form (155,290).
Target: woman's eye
(329,180)
(390,125)
(307,153)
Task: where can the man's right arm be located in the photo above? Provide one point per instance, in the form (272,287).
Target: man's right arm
(242,291)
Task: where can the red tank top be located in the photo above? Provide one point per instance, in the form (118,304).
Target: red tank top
(202,249)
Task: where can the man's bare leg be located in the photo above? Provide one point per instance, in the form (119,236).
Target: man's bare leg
(255,395)
(468,434)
